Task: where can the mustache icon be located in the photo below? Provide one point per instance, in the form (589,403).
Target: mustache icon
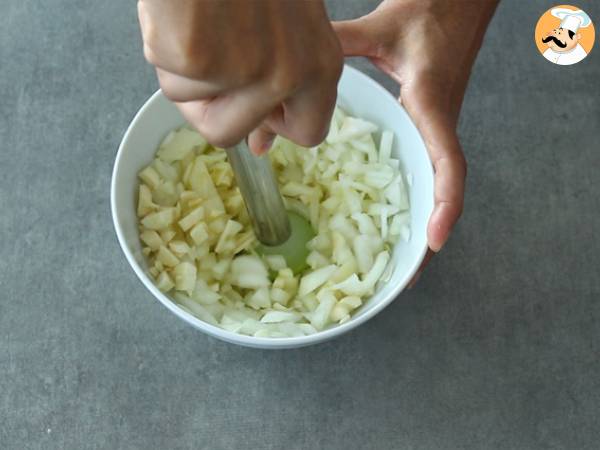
(555,40)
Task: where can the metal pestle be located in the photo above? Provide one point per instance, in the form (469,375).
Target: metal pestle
(257,183)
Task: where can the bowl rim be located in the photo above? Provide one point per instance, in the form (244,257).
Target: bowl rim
(230,336)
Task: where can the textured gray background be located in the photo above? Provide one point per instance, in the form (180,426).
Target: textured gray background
(496,348)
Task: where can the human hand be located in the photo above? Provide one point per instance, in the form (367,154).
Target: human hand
(428,47)
(255,68)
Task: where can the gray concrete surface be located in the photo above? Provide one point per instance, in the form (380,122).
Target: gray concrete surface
(496,348)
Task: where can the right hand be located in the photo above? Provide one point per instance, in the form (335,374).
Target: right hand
(255,68)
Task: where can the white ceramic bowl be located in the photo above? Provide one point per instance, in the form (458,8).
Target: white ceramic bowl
(360,96)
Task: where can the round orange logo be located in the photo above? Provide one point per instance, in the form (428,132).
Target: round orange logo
(565,35)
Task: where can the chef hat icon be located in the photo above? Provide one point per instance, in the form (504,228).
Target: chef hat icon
(571,20)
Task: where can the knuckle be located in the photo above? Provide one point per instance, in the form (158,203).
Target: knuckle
(313,136)
(286,80)
(197,67)
(171,93)
(150,55)
(166,86)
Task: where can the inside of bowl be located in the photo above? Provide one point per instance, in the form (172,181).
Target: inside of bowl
(358,95)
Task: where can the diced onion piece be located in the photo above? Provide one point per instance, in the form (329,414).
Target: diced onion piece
(320,317)
(280,316)
(332,204)
(180,247)
(167,234)
(199,233)
(366,145)
(398,221)
(165,170)
(316,260)
(405,233)
(341,252)
(385,146)
(220,268)
(396,194)
(244,241)
(353,128)
(338,312)
(185,277)
(384,223)
(165,194)
(203,294)
(340,223)
(227,323)
(354,286)
(394,163)
(320,242)
(159,220)
(150,176)
(255,328)
(208,262)
(387,273)
(200,251)
(145,203)
(260,299)
(280,296)
(249,272)
(166,257)
(310,302)
(378,175)
(315,279)
(164,282)
(365,224)
(296,206)
(345,270)
(192,218)
(362,253)
(196,309)
(307,328)
(201,182)
(352,302)
(151,239)
(275,262)
(375,209)
(179,143)
(290,329)
(231,229)
(294,189)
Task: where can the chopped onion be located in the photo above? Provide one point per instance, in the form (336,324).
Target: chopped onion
(201,249)
(315,279)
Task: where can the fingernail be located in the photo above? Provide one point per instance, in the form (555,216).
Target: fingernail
(267,145)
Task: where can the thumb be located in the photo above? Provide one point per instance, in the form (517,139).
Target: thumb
(437,125)
(356,37)
(261,139)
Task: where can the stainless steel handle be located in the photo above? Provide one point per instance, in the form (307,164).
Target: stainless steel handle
(257,183)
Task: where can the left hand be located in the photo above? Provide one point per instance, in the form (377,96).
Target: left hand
(429,49)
